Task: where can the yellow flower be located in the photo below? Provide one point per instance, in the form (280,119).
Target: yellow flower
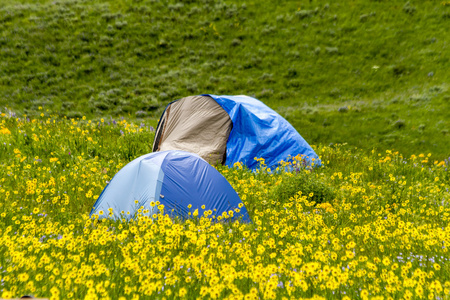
(4,130)
(23,277)
(6,295)
(364,293)
(182,292)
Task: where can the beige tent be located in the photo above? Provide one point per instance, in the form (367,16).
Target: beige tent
(196,124)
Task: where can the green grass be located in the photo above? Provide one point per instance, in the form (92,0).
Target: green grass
(388,61)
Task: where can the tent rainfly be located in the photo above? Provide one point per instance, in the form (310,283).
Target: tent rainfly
(177,179)
(230,129)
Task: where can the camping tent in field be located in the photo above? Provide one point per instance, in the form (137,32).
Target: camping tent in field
(176,179)
(230,129)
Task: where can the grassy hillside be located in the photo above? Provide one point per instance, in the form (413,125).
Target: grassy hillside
(367,73)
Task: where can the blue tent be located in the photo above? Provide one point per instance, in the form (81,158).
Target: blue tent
(255,130)
(176,179)
(259,131)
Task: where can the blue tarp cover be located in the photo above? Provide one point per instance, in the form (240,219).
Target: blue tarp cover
(258,131)
(175,179)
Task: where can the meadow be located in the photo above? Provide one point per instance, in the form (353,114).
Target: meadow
(83,82)
(363,226)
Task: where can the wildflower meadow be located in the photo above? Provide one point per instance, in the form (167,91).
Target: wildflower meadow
(362,226)
(82,83)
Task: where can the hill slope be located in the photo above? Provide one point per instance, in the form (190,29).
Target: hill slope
(369,73)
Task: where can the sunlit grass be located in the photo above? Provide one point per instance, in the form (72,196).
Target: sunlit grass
(366,73)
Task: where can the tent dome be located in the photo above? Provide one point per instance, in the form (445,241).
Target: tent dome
(230,129)
(176,179)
